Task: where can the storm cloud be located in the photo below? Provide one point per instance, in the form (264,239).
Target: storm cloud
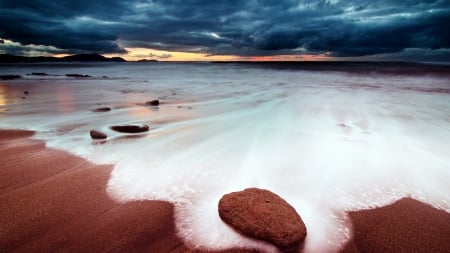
(249,28)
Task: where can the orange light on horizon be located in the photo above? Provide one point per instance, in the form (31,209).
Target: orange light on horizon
(135,54)
(3,101)
(61,55)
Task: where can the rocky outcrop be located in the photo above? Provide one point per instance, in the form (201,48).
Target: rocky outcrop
(9,77)
(39,74)
(101,109)
(97,135)
(130,128)
(263,215)
(77,75)
(152,102)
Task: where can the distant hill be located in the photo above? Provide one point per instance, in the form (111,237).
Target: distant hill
(147,60)
(91,57)
(7,58)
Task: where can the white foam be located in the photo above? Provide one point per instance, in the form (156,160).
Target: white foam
(326,142)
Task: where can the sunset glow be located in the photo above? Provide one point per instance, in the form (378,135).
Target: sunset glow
(222,31)
(136,54)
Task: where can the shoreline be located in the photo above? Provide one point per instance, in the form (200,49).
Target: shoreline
(49,205)
(54,201)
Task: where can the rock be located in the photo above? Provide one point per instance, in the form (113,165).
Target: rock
(26,92)
(130,128)
(152,102)
(77,75)
(9,77)
(39,74)
(342,125)
(101,109)
(97,134)
(263,215)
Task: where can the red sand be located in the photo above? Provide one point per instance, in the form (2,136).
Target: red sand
(52,201)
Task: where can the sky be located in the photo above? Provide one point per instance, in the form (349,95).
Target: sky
(202,30)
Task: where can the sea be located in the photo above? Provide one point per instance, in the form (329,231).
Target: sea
(328,138)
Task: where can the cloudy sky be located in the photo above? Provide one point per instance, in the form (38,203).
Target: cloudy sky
(229,29)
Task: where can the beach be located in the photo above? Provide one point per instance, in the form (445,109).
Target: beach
(360,151)
(52,201)
(56,202)
(225,126)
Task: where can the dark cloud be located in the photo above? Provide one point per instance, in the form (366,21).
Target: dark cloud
(18,49)
(258,27)
(67,25)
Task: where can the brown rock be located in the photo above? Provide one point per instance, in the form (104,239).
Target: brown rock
(102,109)
(263,215)
(130,128)
(97,134)
(152,102)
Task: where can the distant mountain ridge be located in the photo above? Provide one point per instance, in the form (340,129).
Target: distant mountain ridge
(7,58)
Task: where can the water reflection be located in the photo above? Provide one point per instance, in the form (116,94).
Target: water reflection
(3,100)
(65,100)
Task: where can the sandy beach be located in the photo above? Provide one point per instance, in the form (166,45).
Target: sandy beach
(52,201)
(56,202)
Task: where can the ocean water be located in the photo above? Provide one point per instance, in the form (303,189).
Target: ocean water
(327,138)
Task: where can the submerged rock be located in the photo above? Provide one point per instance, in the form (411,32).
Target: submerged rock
(263,215)
(130,128)
(152,102)
(97,134)
(9,77)
(39,74)
(77,75)
(101,109)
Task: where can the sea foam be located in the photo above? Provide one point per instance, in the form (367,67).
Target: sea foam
(327,142)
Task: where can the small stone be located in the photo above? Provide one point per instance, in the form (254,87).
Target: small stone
(130,128)
(152,102)
(342,125)
(102,109)
(97,134)
(263,215)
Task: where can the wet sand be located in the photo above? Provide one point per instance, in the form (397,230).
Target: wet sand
(52,201)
